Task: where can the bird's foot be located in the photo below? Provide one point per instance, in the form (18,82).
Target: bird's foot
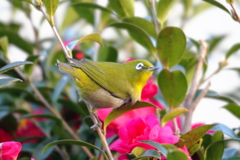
(96,125)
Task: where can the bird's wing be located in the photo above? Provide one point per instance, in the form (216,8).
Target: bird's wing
(98,75)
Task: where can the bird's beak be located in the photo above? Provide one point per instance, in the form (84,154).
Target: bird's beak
(153,68)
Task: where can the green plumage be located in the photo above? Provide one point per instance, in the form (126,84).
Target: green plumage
(106,84)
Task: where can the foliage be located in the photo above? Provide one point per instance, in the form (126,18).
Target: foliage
(44,110)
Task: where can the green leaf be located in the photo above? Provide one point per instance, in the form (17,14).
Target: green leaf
(74,142)
(37,154)
(91,5)
(149,153)
(158,146)
(13,65)
(137,151)
(171,44)
(187,6)
(4,45)
(138,34)
(17,40)
(142,23)
(219,5)
(163,8)
(216,152)
(124,8)
(122,110)
(173,86)
(6,81)
(233,49)
(51,7)
(107,54)
(29,68)
(177,155)
(193,136)
(234,109)
(172,114)
(48,116)
(216,143)
(95,37)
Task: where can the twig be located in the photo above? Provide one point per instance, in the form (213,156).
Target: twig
(194,87)
(54,112)
(235,12)
(154,13)
(100,133)
(175,125)
(202,94)
(66,52)
(97,17)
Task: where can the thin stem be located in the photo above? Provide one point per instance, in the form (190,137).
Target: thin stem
(175,125)
(102,137)
(214,73)
(54,112)
(154,13)
(97,17)
(56,34)
(235,12)
(194,87)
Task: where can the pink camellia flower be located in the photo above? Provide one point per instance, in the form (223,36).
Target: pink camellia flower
(5,136)
(9,150)
(79,55)
(139,129)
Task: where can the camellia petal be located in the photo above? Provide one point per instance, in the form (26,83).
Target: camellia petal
(10,150)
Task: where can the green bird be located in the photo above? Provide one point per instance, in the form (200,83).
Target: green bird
(108,84)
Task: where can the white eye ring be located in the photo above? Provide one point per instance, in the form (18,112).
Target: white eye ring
(139,66)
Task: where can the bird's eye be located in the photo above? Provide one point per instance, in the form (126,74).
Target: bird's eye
(139,66)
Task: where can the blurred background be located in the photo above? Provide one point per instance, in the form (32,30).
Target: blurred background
(207,25)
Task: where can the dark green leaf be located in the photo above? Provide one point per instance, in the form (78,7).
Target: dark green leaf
(193,136)
(149,153)
(107,54)
(91,6)
(158,146)
(37,154)
(173,86)
(138,34)
(6,81)
(177,155)
(124,8)
(48,116)
(234,109)
(215,144)
(232,50)
(214,42)
(29,68)
(142,23)
(163,8)
(73,142)
(4,45)
(216,152)
(95,37)
(172,114)
(9,123)
(171,44)
(219,5)
(13,65)
(17,40)
(124,109)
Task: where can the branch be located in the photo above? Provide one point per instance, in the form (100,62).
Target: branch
(54,112)
(235,14)
(100,133)
(194,86)
(154,13)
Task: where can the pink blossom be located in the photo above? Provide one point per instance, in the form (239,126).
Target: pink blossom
(5,136)
(79,55)
(138,129)
(10,150)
